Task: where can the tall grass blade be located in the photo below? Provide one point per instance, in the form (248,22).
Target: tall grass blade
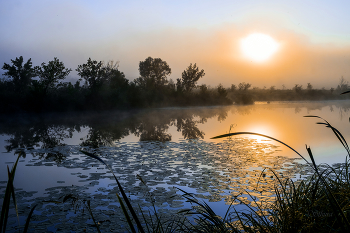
(208,220)
(330,196)
(311,157)
(6,202)
(92,216)
(335,131)
(329,193)
(125,198)
(337,209)
(126,214)
(144,217)
(13,195)
(28,219)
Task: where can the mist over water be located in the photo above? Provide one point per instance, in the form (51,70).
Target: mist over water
(284,121)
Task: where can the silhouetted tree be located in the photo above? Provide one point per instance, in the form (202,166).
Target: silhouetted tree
(244,86)
(233,88)
(21,74)
(52,73)
(152,82)
(171,84)
(309,87)
(190,76)
(243,96)
(179,86)
(297,88)
(115,78)
(96,78)
(343,85)
(115,91)
(153,73)
(204,93)
(93,73)
(222,91)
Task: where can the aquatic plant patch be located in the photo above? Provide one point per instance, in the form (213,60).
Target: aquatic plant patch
(217,172)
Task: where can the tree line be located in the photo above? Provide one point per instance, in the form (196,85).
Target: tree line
(244,93)
(102,86)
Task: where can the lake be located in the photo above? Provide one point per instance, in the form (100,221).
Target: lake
(168,148)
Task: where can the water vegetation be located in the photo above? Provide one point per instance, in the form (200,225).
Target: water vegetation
(318,203)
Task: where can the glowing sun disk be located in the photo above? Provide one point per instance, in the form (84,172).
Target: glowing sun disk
(258,47)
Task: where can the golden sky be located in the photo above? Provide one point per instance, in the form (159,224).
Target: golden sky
(313,37)
(217,51)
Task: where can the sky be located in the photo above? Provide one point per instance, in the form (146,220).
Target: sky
(313,37)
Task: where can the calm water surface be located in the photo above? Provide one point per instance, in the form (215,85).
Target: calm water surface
(168,148)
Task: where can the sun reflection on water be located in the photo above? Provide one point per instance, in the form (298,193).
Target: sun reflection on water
(262,129)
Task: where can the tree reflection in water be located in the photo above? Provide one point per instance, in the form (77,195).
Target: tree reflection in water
(38,134)
(103,129)
(153,126)
(189,128)
(106,129)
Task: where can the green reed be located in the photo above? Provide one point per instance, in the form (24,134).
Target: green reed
(319,203)
(10,192)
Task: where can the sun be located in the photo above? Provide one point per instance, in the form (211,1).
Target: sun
(258,47)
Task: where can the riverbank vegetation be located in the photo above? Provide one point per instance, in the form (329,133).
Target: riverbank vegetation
(102,86)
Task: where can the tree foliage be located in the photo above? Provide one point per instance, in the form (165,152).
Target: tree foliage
(343,85)
(309,87)
(21,74)
(221,91)
(93,73)
(114,77)
(233,88)
(244,86)
(189,78)
(105,87)
(297,88)
(52,73)
(153,73)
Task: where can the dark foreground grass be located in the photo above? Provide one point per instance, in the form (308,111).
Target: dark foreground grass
(320,203)
(10,192)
